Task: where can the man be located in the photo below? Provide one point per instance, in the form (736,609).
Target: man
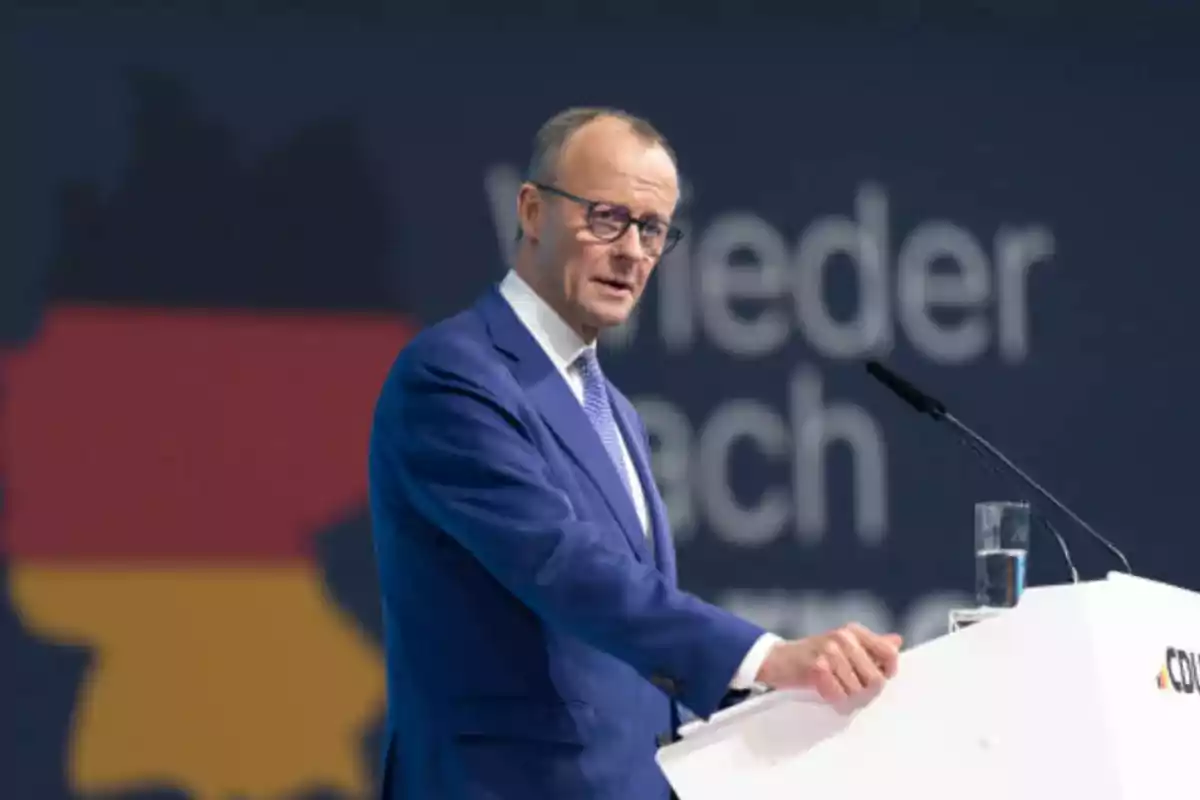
(537,641)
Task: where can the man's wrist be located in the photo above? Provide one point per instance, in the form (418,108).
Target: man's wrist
(746,676)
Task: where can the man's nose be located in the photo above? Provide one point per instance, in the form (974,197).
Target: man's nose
(629,243)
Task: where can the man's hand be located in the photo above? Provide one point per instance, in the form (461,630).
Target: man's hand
(838,664)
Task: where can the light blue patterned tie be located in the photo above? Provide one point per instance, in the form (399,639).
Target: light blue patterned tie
(599,412)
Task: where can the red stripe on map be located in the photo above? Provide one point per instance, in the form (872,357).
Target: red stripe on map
(146,435)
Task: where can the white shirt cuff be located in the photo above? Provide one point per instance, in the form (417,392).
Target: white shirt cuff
(748,671)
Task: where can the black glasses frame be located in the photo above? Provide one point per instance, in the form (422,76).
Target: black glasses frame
(672,237)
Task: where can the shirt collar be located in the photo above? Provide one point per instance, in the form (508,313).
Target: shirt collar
(561,343)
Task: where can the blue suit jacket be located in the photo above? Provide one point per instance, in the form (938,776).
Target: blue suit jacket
(534,643)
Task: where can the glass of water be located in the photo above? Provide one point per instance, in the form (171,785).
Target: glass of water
(1001,548)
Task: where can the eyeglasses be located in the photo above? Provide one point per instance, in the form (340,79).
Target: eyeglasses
(609,221)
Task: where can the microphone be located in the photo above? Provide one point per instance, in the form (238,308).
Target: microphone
(932,407)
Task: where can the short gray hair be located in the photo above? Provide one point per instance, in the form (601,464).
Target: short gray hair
(552,137)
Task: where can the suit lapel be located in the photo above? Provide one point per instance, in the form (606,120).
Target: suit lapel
(552,398)
(664,548)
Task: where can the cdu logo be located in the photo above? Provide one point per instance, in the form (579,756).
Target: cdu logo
(1179,672)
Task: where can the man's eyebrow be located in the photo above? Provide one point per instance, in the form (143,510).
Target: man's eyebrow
(647,217)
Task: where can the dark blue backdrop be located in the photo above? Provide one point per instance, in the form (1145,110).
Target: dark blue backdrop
(1010,224)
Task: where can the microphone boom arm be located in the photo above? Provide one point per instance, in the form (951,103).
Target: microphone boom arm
(926,404)
(978,440)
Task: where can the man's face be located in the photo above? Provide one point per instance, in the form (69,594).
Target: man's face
(593,280)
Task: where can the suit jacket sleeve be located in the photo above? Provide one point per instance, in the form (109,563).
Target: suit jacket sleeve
(464,458)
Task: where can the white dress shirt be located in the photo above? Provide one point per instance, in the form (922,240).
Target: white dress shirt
(563,345)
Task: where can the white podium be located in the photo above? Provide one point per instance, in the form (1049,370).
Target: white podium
(1087,690)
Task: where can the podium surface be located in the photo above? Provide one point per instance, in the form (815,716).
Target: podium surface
(1083,690)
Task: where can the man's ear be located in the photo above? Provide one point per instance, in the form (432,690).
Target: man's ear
(529,212)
